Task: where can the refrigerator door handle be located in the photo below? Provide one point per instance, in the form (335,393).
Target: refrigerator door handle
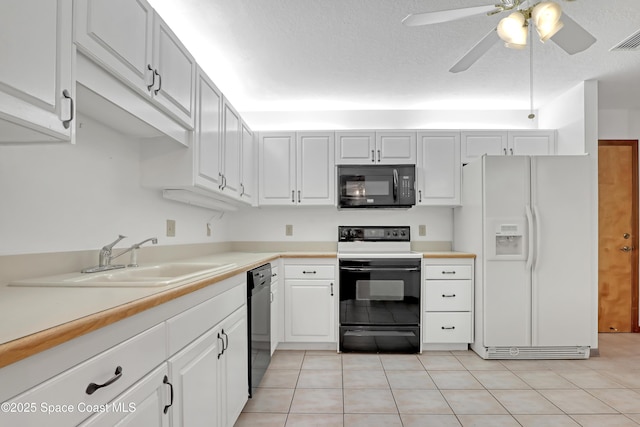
(530,233)
(536,218)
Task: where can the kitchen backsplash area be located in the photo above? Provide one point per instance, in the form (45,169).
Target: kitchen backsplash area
(63,197)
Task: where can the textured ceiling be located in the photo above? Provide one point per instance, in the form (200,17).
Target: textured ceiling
(282,55)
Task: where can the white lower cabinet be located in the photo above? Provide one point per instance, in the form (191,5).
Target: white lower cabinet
(448,301)
(310,301)
(141,405)
(275,307)
(78,393)
(190,369)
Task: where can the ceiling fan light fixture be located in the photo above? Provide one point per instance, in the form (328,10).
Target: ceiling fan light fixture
(513,31)
(546,17)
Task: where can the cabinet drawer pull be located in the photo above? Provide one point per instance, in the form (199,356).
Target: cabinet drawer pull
(91,388)
(166,381)
(309,272)
(448,327)
(448,296)
(448,272)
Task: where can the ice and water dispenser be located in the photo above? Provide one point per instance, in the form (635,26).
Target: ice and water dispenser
(508,239)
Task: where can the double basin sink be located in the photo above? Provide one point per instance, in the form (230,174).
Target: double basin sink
(146,276)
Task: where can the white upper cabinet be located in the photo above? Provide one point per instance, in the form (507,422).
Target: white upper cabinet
(208,134)
(355,147)
(36,76)
(297,168)
(439,168)
(174,73)
(477,143)
(231,151)
(532,143)
(277,156)
(128,39)
(248,166)
(396,147)
(507,143)
(316,175)
(369,147)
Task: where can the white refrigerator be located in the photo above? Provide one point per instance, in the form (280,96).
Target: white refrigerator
(528,220)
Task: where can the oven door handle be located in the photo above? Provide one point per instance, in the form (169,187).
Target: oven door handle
(380,268)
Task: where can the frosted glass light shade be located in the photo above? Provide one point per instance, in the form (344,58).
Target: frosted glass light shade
(513,30)
(546,18)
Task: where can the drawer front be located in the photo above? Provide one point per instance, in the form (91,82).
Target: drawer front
(309,272)
(190,324)
(275,274)
(447,327)
(447,272)
(136,357)
(447,295)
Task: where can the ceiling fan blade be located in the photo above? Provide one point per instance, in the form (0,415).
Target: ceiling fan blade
(476,52)
(572,38)
(428,18)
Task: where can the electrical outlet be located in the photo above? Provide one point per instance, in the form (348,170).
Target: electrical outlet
(171,228)
(422,230)
(288,230)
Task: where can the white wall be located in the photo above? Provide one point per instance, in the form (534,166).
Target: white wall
(320,224)
(619,124)
(63,197)
(389,119)
(567,113)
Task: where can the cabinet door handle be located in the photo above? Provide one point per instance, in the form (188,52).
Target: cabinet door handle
(419,196)
(293,196)
(166,381)
(221,339)
(159,81)
(511,151)
(241,189)
(448,327)
(153,78)
(504,151)
(332,289)
(226,343)
(220,180)
(299,196)
(91,388)
(224,181)
(67,95)
(379,157)
(448,296)
(373,156)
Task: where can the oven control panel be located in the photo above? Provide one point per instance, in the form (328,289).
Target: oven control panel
(374,234)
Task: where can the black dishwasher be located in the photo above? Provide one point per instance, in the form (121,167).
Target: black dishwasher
(259,323)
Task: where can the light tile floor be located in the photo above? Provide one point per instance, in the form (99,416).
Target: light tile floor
(458,388)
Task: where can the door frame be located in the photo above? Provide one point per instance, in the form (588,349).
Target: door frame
(633,143)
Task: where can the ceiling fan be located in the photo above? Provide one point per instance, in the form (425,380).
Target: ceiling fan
(547,17)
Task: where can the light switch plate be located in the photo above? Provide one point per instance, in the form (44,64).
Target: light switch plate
(171,228)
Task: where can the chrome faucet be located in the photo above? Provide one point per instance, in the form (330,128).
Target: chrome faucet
(104,258)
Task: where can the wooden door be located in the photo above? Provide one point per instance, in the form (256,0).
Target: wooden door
(618,236)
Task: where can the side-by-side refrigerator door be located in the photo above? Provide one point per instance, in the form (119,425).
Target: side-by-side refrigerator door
(507,275)
(562,280)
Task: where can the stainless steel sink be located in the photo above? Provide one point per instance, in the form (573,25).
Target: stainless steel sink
(150,276)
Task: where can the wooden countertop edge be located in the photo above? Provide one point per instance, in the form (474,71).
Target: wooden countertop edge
(21,348)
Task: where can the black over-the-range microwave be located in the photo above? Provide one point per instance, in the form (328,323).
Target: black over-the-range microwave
(376,186)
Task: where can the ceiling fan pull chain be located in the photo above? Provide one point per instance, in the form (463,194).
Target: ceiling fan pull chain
(531,114)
